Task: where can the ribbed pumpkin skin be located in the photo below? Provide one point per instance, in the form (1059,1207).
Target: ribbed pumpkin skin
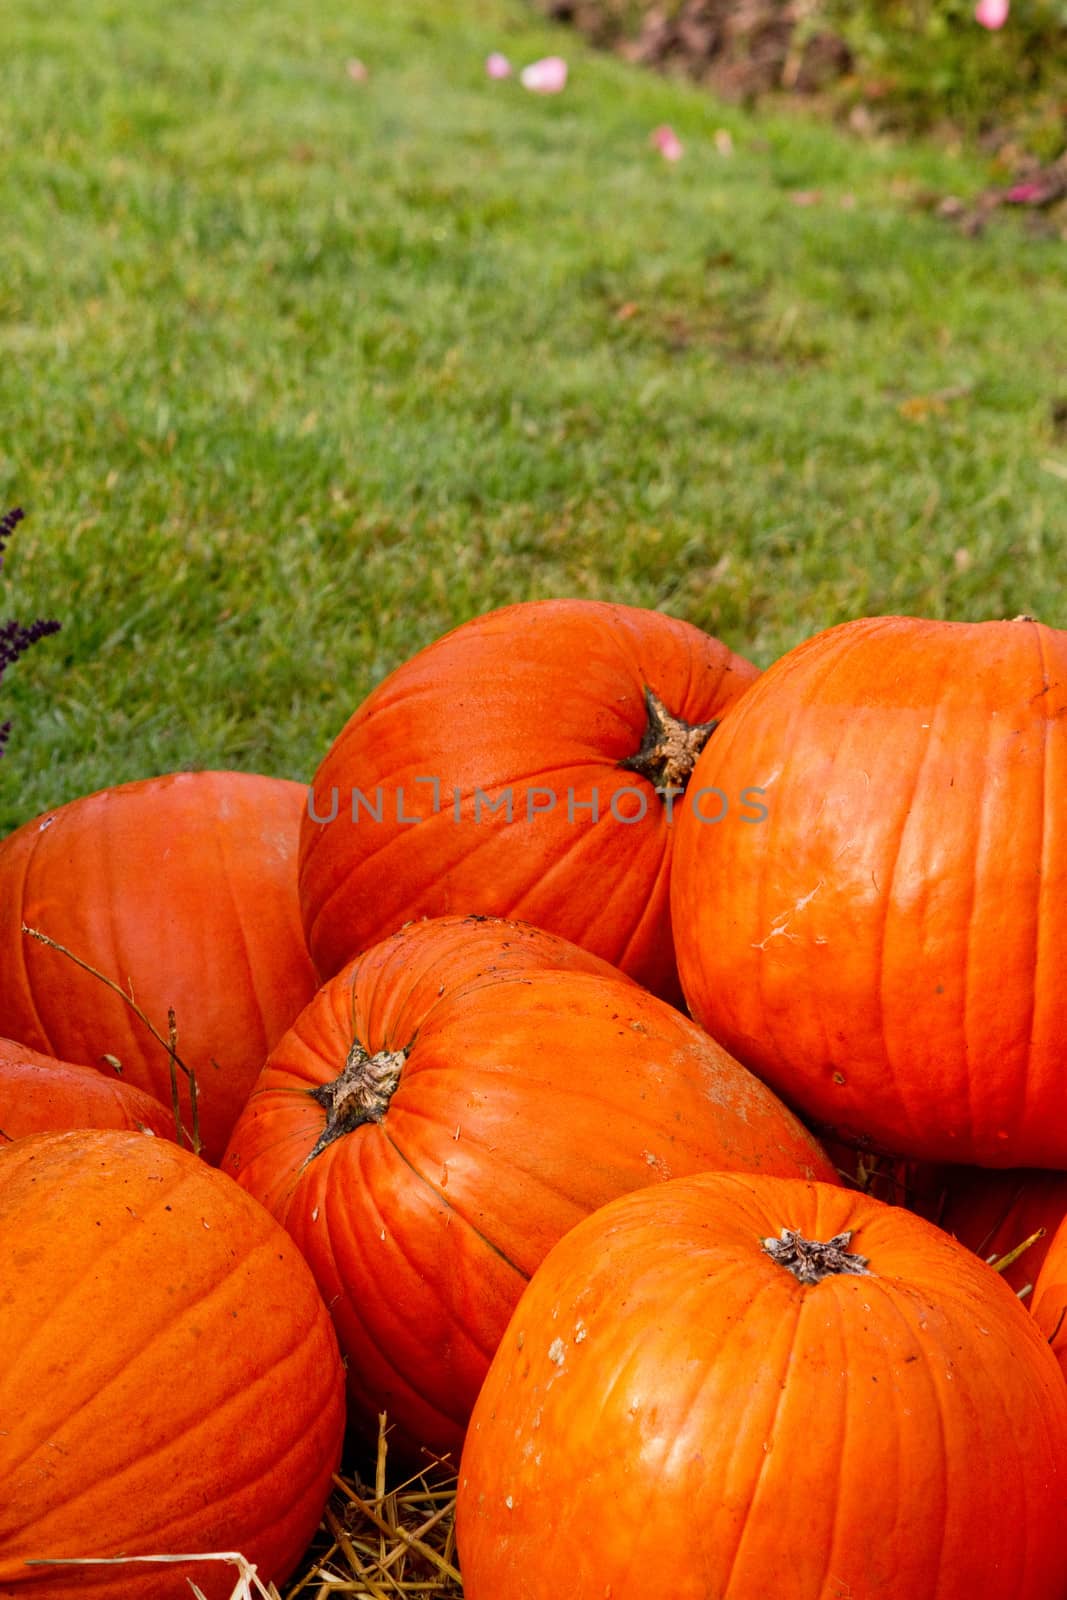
(884,947)
(39,1094)
(184,885)
(547,695)
(993,1212)
(170,1380)
(990,1210)
(537,1085)
(671,1413)
(1049,1300)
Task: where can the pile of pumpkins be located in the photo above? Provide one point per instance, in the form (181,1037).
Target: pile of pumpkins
(542,1077)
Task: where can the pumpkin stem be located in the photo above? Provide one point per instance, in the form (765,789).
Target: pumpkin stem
(811,1262)
(670,746)
(360,1094)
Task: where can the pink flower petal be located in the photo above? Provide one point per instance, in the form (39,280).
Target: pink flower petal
(357,70)
(1028,194)
(497,66)
(667,142)
(547,76)
(992,13)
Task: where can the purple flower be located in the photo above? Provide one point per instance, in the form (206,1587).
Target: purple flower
(17,637)
(8,523)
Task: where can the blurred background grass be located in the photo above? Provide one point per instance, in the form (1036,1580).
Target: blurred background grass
(299,371)
(910,66)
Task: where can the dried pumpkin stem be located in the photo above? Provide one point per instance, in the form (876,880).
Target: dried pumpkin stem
(669,748)
(360,1094)
(810,1261)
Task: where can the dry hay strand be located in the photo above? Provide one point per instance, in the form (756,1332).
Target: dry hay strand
(249,1586)
(376,1542)
(379,1542)
(169,1043)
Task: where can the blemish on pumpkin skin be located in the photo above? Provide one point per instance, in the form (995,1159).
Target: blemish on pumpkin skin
(657,1163)
(780,925)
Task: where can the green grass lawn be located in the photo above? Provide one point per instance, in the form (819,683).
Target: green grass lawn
(298,372)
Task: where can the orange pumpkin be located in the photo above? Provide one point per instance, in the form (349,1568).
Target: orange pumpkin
(993,1213)
(181,887)
(883,947)
(445,1109)
(39,1094)
(1049,1301)
(541,750)
(750,1386)
(170,1381)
